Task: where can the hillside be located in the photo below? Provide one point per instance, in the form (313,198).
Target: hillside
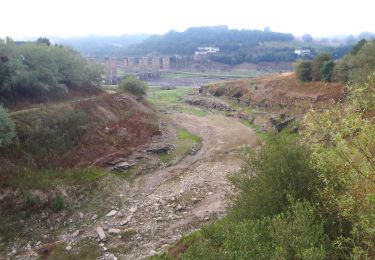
(278,92)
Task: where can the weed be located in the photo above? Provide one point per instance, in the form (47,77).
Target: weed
(58,203)
(29,199)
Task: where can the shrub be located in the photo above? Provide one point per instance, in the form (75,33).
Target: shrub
(303,70)
(295,234)
(58,203)
(7,130)
(280,170)
(317,65)
(326,70)
(133,85)
(29,199)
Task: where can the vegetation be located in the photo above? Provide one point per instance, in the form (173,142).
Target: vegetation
(303,70)
(133,85)
(359,64)
(184,144)
(40,72)
(321,68)
(7,131)
(309,198)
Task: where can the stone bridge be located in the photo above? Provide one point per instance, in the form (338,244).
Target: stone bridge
(143,67)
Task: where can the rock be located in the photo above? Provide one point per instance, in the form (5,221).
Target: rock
(101,234)
(280,126)
(114,231)
(75,233)
(117,161)
(94,217)
(208,102)
(122,166)
(153,252)
(80,214)
(110,257)
(107,130)
(111,213)
(133,209)
(179,208)
(161,148)
(38,243)
(206,218)
(68,248)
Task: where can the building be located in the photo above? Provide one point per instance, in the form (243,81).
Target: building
(302,52)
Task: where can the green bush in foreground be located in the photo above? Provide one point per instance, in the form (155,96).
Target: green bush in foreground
(7,130)
(268,178)
(133,85)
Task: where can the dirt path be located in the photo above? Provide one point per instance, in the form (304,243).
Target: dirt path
(164,205)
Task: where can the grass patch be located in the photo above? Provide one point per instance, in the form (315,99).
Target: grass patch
(85,249)
(170,97)
(48,178)
(184,142)
(193,111)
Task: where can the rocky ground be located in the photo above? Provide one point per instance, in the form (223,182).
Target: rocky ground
(173,201)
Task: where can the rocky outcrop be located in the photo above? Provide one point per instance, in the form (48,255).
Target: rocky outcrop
(208,102)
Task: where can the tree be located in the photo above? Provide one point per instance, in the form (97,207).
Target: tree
(326,70)
(133,85)
(43,40)
(317,64)
(358,46)
(7,131)
(307,38)
(303,70)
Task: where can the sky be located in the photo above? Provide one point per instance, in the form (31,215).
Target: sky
(67,18)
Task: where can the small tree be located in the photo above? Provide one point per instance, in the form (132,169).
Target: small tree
(317,64)
(133,85)
(307,38)
(43,40)
(7,130)
(303,70)
(326,71)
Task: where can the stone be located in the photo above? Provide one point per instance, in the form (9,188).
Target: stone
(110,257)
(111,213)
(101,234)
(114,231)
(94,217)
(38,243)
(133,209)
(80,214)
(179,208)
(122,166)
(68,248)
(107,130)
(75,233)
(161,148)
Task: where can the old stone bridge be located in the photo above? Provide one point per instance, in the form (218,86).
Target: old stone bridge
(143,67)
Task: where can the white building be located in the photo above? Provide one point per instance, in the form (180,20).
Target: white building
(302,52)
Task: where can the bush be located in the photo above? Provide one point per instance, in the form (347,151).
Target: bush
(281,170)
(7,130)
(303,70)
(317,64)
(295,234)
(133,85)
(58,203)
(326,71)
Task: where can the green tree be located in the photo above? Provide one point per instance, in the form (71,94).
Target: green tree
(307,38)
(43,40)
(7,130)
(133,85)
(327,70)
(317,65)
(303,70)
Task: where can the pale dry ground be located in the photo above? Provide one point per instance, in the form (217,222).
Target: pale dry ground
(176,200)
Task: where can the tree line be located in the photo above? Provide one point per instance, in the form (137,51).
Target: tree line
(40,71)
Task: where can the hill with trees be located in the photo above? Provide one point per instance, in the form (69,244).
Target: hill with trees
(38,71)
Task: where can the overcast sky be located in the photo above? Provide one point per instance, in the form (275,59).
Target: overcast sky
(33,18)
